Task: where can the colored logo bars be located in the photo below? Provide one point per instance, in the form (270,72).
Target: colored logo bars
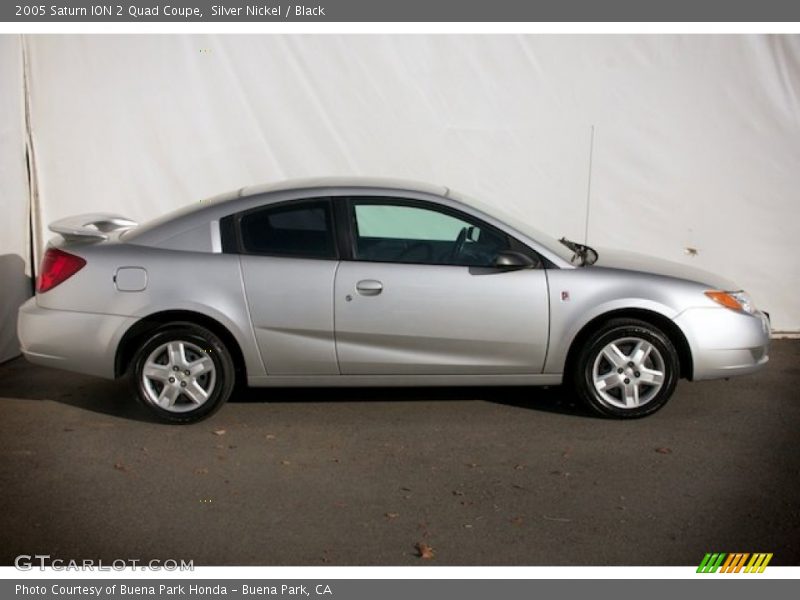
(734,562)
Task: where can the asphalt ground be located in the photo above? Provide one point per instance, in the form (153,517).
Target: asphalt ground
(482,476)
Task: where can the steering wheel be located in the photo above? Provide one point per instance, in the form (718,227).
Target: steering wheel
(458,245)
(406,251)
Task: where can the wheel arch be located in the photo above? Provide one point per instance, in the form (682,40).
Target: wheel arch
(665,324)
(126,349)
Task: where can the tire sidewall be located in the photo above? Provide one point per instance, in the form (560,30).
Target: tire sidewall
(225,373)
(615,330)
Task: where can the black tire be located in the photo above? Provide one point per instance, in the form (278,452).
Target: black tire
(618,399)
(197,342)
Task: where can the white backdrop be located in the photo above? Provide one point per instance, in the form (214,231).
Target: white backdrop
(696,138)
(15,283)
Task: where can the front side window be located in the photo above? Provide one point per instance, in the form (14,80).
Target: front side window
(298,229)
(393,231)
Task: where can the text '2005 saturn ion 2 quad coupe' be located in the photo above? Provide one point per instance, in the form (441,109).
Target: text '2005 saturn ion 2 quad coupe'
(379,283)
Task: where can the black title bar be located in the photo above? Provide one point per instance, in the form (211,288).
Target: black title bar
(403,10)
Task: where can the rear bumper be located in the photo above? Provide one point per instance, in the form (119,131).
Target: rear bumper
(74,341)
(725,343)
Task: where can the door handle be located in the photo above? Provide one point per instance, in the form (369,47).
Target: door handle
(369,287)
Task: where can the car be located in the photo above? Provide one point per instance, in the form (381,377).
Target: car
(372,282)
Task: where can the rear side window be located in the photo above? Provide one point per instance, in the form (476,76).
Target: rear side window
(298,229)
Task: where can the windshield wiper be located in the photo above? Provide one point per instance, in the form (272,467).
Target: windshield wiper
(587,254)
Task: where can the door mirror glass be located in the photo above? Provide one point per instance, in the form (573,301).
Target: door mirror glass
(511,259)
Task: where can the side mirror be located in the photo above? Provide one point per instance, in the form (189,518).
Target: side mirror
(511,259)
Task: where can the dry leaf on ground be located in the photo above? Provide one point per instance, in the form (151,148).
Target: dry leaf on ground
(557,519)
(424,551)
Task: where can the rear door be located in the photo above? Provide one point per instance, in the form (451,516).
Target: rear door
(421,295)
(289,259)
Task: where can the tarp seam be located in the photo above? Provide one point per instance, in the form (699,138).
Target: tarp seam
(30,161)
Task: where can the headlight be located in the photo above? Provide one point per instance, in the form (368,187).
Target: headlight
(734,300)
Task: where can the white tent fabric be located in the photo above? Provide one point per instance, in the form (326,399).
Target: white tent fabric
(683,147)
(15,285)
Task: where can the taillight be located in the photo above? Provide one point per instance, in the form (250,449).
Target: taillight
(57,267)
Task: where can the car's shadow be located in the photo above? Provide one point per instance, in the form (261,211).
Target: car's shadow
(555,399)
(115,398)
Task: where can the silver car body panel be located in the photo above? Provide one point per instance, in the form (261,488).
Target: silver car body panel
(723,342)
(199,282)
(640,263)
(84,342)
(402,380)
(430,325)
(440,320)
(291,305)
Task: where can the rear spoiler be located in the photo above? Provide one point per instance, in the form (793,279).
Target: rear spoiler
(92,226)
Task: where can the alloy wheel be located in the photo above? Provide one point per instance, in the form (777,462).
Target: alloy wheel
(178,376)
(628,373)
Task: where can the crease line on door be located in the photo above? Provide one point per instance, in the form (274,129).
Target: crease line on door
(335,334)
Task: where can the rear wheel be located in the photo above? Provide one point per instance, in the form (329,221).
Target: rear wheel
(628,368)
(183,373)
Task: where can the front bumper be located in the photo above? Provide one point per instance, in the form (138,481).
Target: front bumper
(725,343)
(75,341)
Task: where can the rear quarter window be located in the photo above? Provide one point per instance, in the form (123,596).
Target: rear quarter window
(298,229)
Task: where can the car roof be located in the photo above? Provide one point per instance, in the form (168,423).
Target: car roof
(198,215)
(383,183)
(191,215)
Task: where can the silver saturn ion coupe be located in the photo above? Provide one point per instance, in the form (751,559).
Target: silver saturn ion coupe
(359,282)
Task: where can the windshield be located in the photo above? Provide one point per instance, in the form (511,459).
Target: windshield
(548,241)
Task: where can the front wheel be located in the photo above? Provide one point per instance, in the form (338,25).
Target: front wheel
(183,373)
(626,369)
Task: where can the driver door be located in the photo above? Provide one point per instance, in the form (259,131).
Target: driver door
(421,295)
